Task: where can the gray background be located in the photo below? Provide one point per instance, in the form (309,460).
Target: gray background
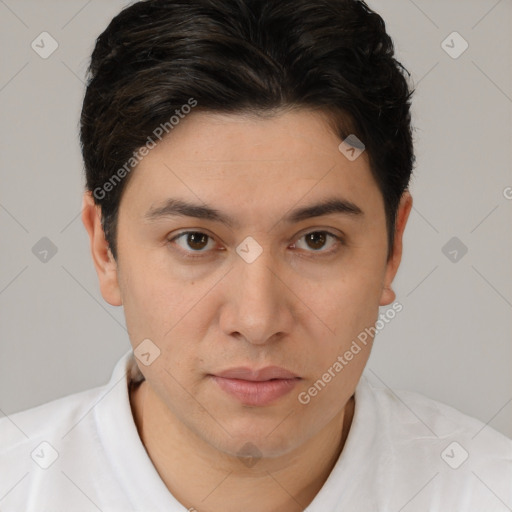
(451,342)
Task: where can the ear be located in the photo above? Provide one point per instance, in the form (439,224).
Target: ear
(388,295)
(106,266)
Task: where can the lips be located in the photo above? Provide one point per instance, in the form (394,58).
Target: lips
(268,373)
(256,387)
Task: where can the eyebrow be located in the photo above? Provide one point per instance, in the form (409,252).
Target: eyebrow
(179,208)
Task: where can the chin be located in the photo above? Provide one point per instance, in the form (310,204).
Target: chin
(268,439)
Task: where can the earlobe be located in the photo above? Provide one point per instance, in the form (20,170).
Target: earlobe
(388,296)
(404,209)
(104,262)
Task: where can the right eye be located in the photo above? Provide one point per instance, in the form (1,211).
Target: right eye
(192,242)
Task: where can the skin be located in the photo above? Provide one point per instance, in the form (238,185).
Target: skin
(296,306)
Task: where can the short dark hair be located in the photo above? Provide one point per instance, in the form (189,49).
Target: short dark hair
(244,56)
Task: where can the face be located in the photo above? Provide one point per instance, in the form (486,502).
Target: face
(250,243)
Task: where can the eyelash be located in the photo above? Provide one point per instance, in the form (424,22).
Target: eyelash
(201,254)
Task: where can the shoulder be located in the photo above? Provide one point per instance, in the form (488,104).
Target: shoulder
(43,450)
(412,412)
(423,442)
(59,416)
(21,431)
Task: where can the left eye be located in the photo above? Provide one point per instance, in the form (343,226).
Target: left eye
(197,241)
(316,240)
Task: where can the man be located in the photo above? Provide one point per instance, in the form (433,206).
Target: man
(247,166)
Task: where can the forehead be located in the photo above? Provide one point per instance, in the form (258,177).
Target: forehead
(285,135)
(238,159)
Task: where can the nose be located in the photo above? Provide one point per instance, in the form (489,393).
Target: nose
(259,306)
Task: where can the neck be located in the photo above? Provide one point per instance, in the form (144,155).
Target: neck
(286,484)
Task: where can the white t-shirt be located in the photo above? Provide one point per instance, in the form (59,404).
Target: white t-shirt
(404,452)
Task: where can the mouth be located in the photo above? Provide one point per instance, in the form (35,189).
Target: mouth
(256,387)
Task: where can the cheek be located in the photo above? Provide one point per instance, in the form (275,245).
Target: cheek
(348,307)
(151,301)
(351,302)
(171,309)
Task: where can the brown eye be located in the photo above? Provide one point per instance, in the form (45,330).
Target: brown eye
(317,241)
(192,241)
(197,241)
